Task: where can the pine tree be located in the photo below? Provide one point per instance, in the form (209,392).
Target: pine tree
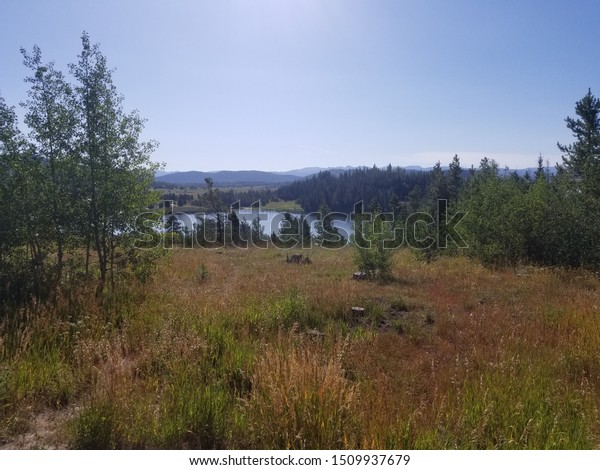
(540,172)
(438,186)
(582,158)
(328,234)
(454,180)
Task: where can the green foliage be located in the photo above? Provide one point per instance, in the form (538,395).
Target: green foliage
(80,179)
(173,224)
(48,378)
(582,158)
(23,243)
(512,220)
(117,171)
(373,243)
(328,236)
(431,234)
(549,221)
(257,233)
(202,273)
(495,208)
(51,117)
(195,415)
(454,180)
(143,262)
(515,406)
(565,230)
(341,192)
(283,312)
(294,232)
(95,428)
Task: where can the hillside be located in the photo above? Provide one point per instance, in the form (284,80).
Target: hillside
(227,178)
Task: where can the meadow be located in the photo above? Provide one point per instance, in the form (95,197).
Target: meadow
(238,349)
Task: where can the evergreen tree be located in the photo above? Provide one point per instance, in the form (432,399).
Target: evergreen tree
(373,242)
(289,232)
(454,180)
(437,188)
(214,202)
(582,158)
(540,172)
(257,233)
(328,235)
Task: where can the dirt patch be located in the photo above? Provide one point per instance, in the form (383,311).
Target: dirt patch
(47,430)
(400,315)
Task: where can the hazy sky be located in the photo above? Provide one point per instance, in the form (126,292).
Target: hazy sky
(276,85)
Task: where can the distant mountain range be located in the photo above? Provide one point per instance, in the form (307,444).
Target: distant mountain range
(312,170)
(271,178)
(242,178)
(221,178)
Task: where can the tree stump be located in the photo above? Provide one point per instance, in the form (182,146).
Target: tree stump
(358,312)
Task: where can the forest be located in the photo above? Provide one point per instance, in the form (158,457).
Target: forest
(389,187)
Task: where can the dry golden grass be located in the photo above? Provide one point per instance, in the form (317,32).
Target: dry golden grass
(254,352)
(301,398)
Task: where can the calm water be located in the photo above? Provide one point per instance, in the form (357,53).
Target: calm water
(270,221)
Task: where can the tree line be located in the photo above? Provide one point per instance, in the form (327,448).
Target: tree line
(548,218)
(388,186)
(228,197)
(74,181)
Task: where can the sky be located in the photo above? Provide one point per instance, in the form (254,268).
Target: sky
(277,85)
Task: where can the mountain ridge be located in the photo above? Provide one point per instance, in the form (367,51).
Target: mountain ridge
(275,178)
(250,177)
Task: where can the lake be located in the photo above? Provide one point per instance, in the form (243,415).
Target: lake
(271,220)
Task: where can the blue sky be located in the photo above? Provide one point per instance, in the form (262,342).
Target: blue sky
(276,85)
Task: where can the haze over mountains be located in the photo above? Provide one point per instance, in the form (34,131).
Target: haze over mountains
(272,178)
(243,177)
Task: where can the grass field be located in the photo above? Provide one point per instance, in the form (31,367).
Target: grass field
(283,206)
(239,349)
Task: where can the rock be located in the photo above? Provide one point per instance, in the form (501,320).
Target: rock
(314,332)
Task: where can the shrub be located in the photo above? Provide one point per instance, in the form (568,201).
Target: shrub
(373,243)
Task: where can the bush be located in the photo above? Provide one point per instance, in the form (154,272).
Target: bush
(373,243)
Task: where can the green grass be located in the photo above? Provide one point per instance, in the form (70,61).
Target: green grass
(283,206)
(513,405)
